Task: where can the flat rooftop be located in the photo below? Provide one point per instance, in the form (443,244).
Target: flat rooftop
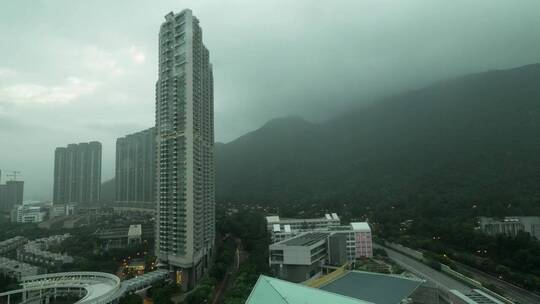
(361,226)
(277,219)
(373,287)
(306,239)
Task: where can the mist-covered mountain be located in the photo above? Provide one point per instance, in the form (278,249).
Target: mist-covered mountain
(474,138)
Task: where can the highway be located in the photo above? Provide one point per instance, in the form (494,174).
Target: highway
(512,292)
(438,278)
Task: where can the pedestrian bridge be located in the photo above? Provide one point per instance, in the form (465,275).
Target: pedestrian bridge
(88,287)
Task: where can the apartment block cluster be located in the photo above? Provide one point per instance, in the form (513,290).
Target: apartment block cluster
(12,244)
(37,252)
(13,268)
(301,248)
(39,212)
(511,225)
(32,257)
(17,270)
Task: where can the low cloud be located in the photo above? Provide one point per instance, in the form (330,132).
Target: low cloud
(7,72)
(137,55)
(101,61)
(29,93)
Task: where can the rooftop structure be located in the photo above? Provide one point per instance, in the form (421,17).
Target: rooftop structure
(15,269)
(284,228)
(373,287)
(360,226)
(306,239)
(269,290)
(36,251)
(12,244)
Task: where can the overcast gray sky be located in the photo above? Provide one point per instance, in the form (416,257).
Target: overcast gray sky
(74,71)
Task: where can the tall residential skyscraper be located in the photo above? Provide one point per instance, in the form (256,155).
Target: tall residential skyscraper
(136,167)
(11,193)
(14,193)
(2,193)
(77,173)
(185,149)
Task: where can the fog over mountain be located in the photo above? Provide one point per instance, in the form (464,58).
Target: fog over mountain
(89,73)
(466,141)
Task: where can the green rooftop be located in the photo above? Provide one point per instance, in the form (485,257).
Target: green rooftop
(374,287)
(269,290)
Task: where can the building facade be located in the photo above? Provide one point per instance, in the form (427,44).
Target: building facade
(3,200)
(300,258)
(185,149)
(28,214)
(511,225)
(136,167)
(11,194)
(283,228)
(77,173)
(303,256)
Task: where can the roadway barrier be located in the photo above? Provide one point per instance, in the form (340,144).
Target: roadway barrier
(406,250)
(446,269)
(459,276)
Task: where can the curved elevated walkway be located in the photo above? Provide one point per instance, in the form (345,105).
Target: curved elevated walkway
(93,287)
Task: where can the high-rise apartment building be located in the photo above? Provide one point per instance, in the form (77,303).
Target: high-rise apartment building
(11,193)
(185,149)
(3,200)
(136,167)
(77,173)
(14,192)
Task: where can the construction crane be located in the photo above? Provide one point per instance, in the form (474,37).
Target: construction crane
(13,175)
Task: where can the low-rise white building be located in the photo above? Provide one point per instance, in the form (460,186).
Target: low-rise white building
(511,225)
(301,257)
(28,214)
(283,228)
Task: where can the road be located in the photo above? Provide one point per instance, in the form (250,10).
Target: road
(422,270)
(512,292)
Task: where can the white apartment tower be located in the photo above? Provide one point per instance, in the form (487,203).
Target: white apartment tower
(185,149)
